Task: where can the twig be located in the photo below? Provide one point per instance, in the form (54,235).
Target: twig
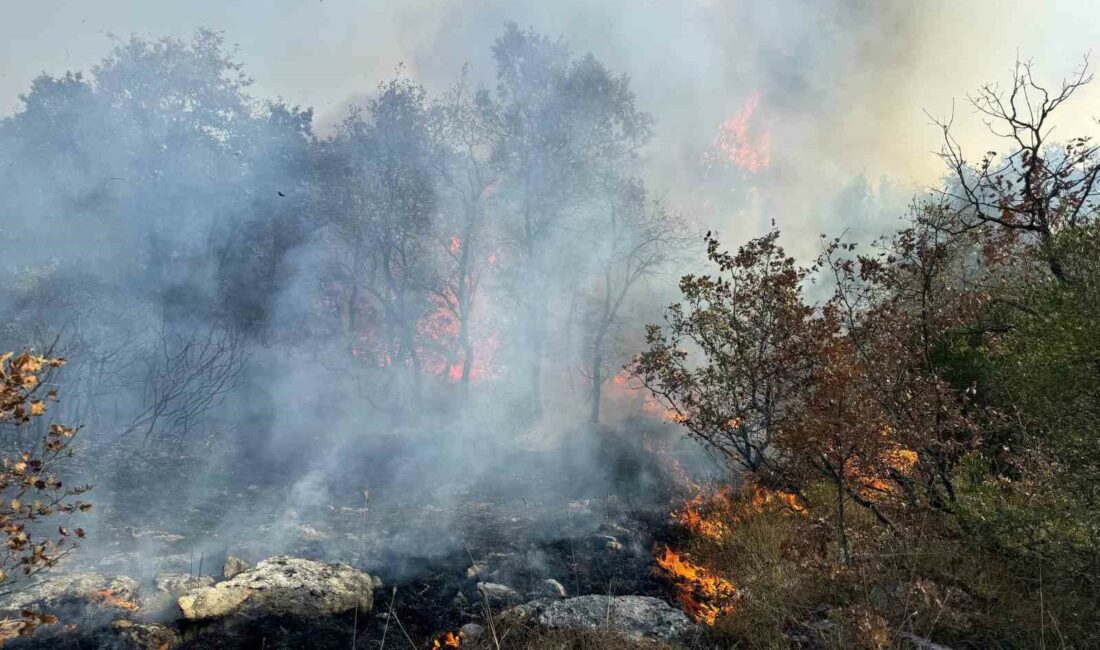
(607,619)
(402,627)
(573,551)
(386,629)
(355,624)
(484,598)
(489,619)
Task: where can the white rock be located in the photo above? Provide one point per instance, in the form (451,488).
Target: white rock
(281,586)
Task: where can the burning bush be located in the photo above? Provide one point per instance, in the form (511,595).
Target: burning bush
(30,487)
(713,519)
(933,417)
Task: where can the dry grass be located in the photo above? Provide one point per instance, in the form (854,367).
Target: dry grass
(795,590)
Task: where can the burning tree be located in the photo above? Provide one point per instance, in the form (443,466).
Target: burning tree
(462,145)
(31,489)
(382,222)
(847,391)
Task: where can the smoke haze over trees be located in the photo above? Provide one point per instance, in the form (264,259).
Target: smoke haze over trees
(203,224)
(450,286)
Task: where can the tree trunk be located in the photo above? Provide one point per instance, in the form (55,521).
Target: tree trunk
(597,381)
(842,532)
(536,318)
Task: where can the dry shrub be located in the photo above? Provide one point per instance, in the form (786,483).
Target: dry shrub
(795,588)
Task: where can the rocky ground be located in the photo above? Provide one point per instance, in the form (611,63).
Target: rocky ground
(260,565)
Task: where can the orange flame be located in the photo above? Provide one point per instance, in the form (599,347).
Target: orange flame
(710,516)
(871,484)
(626,390)
(448,640)
(736,143)
(108,597)
(440,332)
(704,595)
(692,517)
(762,497)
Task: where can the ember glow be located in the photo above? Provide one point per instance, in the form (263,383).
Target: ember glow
(631,395)
(109,598)
(872,484)
(439,333)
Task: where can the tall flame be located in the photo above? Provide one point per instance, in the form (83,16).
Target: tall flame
(704,595)
(742,142)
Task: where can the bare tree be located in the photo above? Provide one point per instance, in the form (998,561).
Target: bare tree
(186,375)
(462,148)
(1037,187)
(556,122)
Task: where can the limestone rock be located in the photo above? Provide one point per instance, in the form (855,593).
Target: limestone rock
(638,617)
(472,631)
(920,643)
(283,586)
(177,584)
(135,636)
(498,592)
(233,566)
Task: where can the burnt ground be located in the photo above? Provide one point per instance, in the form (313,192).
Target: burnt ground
(588,520)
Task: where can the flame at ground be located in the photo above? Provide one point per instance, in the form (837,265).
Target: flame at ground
(109,598)
(448,640)
(711,515)
(740,144)
(704,595)
(693,517)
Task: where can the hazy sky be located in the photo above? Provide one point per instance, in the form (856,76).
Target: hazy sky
(843,83)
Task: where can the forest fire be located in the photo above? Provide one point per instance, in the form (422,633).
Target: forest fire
(741,142)
(448,640)
(704,595)
(440,351)
(692,517)
(541,310)
(628,391)
(710,516)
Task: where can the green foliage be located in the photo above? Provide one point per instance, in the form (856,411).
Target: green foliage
(1032,495)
